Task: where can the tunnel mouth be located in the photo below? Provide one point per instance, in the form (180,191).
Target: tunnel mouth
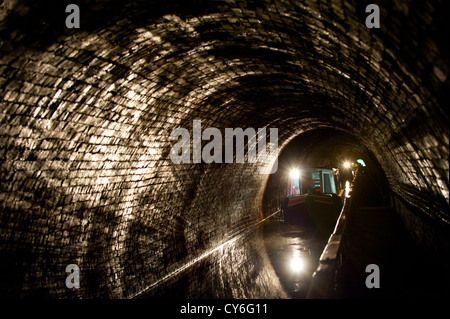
(294,247)
(321,148)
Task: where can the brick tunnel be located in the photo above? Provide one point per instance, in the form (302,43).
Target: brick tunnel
(87,114)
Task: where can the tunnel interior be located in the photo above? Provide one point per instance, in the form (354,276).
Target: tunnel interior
(86,117)
(321,148)
(294,248)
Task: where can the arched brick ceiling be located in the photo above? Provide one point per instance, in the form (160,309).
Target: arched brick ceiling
(86,116)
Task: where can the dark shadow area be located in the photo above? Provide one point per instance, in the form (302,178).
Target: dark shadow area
(376,236)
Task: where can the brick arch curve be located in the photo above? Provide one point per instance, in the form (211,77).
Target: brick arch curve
(86,118)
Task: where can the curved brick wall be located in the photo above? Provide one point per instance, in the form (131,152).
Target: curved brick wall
(86,116)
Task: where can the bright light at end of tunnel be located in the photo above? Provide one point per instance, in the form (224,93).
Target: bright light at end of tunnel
(295,173)
(346,164)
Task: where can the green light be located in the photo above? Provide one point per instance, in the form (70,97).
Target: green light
(360,161)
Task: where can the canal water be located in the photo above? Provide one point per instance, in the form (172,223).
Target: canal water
(294,252)
(274,260)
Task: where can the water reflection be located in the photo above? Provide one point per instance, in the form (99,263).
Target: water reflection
(347,188)
(297,263)
(294,252)
(237,269)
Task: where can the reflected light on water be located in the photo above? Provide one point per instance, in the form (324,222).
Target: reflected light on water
(297,263)
(347,188)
